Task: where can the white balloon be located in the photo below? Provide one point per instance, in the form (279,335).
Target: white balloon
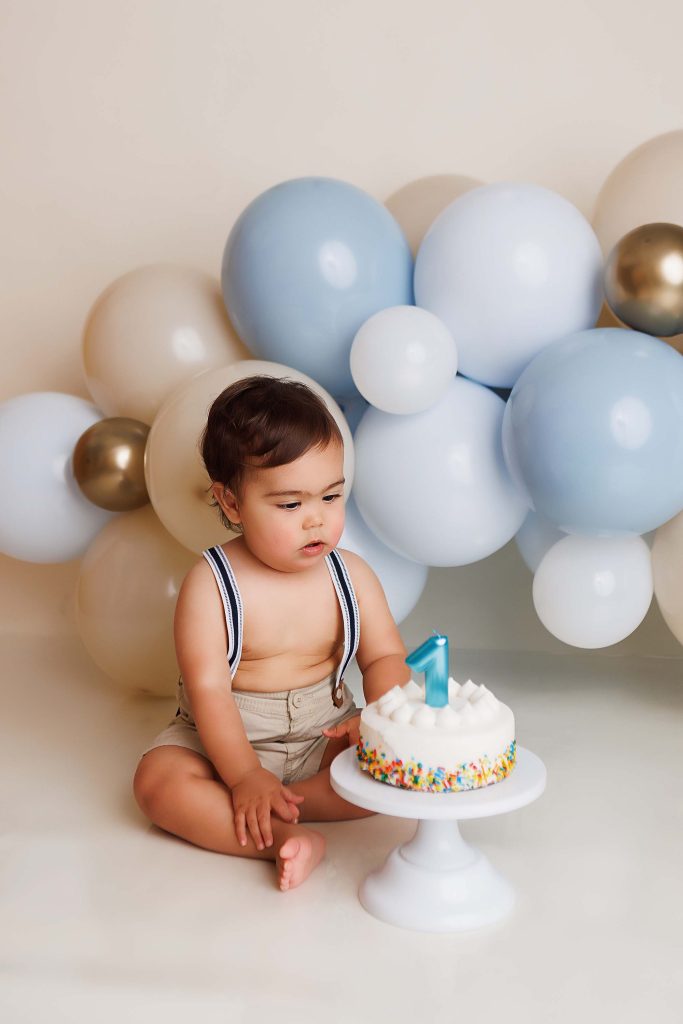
(402,580)
(403,359)
(593,591)
(434,486)
(535,536)
(44,515)
(509,268)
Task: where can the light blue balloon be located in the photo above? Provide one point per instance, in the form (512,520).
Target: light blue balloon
(304,267)
(403,580)
(433,485)
(593,432)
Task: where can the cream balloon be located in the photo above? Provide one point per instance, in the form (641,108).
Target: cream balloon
(667,566)
(607,318)
(125,600)
(150,331)
(643,188)
(177,481)
(417,205)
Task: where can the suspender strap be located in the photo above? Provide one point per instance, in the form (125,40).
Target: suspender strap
(232,603)
(350,614)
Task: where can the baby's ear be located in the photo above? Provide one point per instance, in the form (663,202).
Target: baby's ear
(227,501)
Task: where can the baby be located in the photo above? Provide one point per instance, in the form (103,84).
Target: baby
(262,705)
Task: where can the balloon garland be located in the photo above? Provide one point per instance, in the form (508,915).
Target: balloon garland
(318,283)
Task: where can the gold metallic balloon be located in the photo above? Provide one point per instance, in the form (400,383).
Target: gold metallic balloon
(644,279)
(108,464)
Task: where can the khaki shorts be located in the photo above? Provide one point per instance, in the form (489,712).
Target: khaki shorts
(284,728)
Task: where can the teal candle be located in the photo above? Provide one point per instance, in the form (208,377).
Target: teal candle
(431,657)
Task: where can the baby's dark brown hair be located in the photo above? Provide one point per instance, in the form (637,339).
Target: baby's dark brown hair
(260,422)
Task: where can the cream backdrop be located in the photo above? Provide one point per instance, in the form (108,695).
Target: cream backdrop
(136,132)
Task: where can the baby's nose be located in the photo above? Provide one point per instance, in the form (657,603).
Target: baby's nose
(313,518)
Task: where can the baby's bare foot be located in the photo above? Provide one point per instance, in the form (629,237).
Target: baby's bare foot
(297,857)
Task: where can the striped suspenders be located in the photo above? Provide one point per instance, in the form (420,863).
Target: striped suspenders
(234,617)
(351,616)
(232,603)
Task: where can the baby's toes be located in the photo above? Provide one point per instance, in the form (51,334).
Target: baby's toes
(285,861)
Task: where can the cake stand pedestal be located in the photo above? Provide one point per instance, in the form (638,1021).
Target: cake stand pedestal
(437,882)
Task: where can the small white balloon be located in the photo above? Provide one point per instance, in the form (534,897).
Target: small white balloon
(594,591)
(509,268)
(44,515)
(434,486)
(403,359)
(535,536)
(402,579)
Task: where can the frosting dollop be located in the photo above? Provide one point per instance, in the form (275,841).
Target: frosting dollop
(468,705)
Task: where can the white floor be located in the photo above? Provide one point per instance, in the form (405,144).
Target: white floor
(104,917)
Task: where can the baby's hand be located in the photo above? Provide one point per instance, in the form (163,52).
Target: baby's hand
(350,728)
(258,794)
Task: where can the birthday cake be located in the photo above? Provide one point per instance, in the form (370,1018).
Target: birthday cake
(467,743)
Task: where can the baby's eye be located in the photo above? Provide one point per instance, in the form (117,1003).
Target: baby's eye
(291,505)
(331,497)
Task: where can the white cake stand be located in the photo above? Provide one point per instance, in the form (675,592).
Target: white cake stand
(437,882)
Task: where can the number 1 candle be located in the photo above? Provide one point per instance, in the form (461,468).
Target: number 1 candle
(431,657)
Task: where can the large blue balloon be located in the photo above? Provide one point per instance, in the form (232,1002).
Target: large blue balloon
(593,432)
(305,265)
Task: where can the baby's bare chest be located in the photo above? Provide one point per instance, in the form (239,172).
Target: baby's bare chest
(290,617)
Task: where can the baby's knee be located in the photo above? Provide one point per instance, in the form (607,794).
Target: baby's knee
(152,786)
(163,773)
(145,784)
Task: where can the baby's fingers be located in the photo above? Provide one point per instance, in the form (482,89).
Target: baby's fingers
(284,810)
(264,824)
(253,823)
(335,731)
(290,796)
(240,828)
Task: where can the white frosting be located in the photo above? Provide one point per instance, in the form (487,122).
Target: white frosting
(473,724)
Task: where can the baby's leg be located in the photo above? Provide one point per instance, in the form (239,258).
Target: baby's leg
(321,802)
(180,792)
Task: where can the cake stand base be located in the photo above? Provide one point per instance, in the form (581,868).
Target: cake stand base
(437,882)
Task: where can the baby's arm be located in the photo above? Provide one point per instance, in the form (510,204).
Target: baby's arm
(381,652)
(201,646)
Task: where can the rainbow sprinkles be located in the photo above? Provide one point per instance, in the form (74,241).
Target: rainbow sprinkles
(414,775)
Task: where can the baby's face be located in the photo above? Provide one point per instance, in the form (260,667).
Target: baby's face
(293,515)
